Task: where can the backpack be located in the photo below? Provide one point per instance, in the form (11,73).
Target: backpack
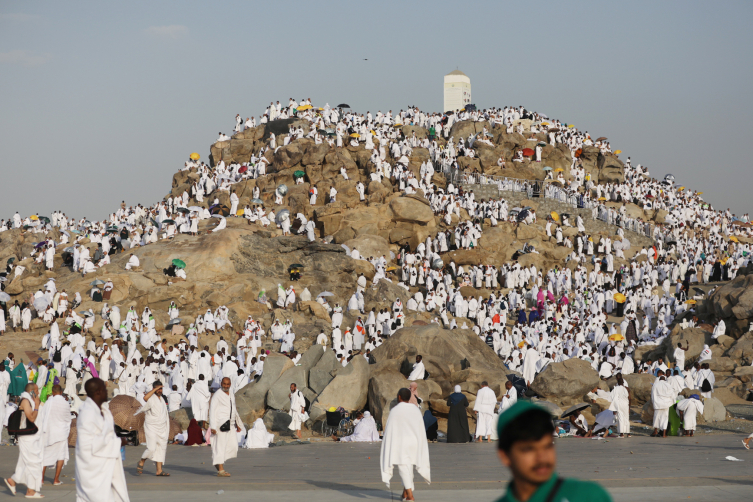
(19,426)
(57,357)
(705,386)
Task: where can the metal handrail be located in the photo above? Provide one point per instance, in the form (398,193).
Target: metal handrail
(534,189)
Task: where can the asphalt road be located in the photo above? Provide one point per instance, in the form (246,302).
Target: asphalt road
(635,469)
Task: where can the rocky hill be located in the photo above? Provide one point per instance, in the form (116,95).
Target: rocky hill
(233,266)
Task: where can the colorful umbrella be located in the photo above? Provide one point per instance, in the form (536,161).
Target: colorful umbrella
(527,152)
(619,298)
(179,263)
(195,156)
(616,337)
(617,152)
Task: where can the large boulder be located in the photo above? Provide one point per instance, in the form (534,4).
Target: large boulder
(321,374)
(278,421)
(734,299)
(640,386)
(450,346)
(692,338)
(411,210)
(383,394)
(565,383)
(278,395)
(742,350)
(251,399)
(713,410)
(349,388)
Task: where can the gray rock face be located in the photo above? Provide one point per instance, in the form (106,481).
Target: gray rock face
(713,410)
(277,396)
(312,356)
(640,386)
(565,383)
(383,394)
(321,374)
(349,388)
(734,299)
(742,350)
(251,399)
(277,421)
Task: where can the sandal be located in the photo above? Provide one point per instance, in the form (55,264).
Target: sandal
(12,488)
(223,474)
(139,469)
(163,474)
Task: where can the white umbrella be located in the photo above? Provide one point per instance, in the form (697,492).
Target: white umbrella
(282,216)
(41,303)
(325,293)
(4,297)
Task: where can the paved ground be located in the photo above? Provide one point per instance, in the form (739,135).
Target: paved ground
(635,469)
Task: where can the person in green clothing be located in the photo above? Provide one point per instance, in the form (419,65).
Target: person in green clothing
(45,388)
(526,447)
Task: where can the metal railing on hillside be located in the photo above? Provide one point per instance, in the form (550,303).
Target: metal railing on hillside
(535,188)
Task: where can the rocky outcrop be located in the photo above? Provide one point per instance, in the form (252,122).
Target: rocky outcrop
(565,383)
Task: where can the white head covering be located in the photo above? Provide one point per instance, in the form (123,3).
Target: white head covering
(457,388)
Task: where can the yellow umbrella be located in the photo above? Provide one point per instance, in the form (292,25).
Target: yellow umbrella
(555,216)
(691,302)
(372,132)
(617,152)
(545,123)
(699,193)
(390,268)
(398,125)
(619,298)
(34,217)
(723,262)
(521,345)
(355,135)
(195,156)
(558,170)
(304,107)
(571,126)
(602,198)
(320,109)
(681,188)
(240,212)
(733,238)
(616,338)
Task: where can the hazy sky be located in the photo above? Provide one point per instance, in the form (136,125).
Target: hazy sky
(103,101)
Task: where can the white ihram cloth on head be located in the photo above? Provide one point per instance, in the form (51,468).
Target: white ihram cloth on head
(365,431)
(99,468)
(404,442)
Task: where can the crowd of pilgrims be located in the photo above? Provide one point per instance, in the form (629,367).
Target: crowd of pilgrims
(545,315)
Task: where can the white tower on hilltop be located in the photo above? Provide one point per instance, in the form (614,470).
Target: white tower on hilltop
(457,90)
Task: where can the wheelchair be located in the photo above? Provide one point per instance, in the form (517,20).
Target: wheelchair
(337,423)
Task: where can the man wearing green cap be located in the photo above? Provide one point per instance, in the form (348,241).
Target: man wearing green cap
(526,447)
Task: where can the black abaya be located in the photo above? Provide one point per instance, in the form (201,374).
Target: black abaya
(457,420)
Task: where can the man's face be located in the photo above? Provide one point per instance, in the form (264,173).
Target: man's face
(226,385)
(532,461)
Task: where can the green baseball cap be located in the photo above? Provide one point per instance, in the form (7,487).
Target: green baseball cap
(514,412)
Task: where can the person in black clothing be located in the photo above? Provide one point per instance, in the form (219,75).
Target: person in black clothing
(431,424)
(457,420)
